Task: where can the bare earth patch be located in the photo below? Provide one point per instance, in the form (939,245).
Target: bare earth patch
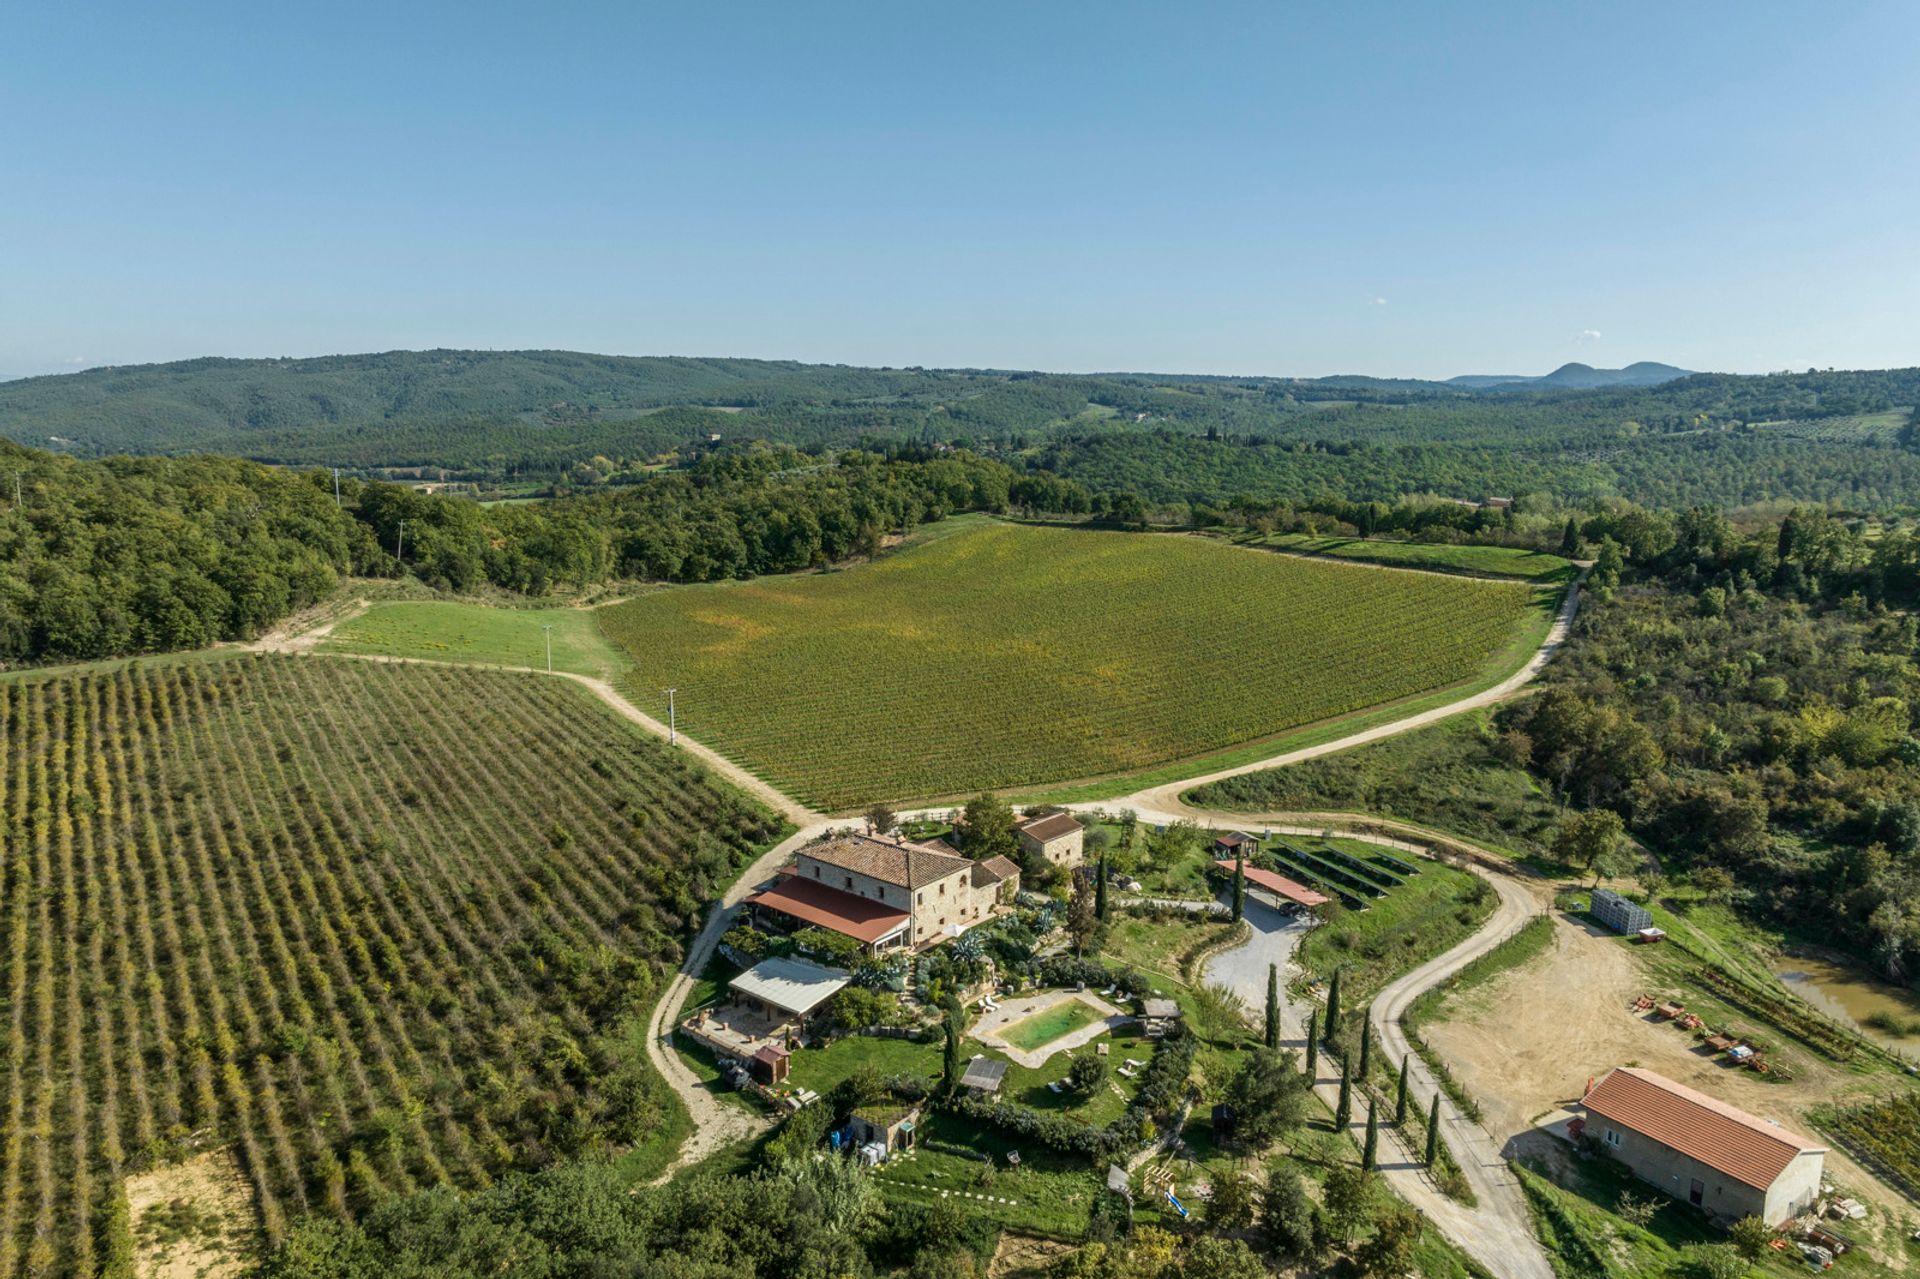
(193,1220)
(1526,1043)
(1021,1256)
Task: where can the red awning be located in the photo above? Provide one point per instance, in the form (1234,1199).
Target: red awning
(1280,884)
(860,918)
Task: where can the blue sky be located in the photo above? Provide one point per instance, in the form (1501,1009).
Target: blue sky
(1412,189)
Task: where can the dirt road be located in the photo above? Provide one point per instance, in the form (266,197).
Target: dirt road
(1498,1230)
(716,1124)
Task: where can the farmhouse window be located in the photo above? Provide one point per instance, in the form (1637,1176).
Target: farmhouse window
(1613,1138)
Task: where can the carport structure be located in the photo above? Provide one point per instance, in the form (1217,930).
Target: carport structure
(1277,885)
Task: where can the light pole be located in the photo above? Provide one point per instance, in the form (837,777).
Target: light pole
(548,628)
(673,732)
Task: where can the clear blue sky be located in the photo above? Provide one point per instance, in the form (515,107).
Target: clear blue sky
(1416,189)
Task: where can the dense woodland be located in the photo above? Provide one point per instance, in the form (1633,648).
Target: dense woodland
(1747,704)
(569,419)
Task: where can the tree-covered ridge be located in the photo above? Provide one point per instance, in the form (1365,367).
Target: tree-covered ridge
(1747,703)
(149,554)
(554,415)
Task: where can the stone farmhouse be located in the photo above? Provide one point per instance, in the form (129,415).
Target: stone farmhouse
(886,894)
(1057,837)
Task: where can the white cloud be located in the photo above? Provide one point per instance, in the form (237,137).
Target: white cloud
(1588,335)
(75,359)
(1378,302)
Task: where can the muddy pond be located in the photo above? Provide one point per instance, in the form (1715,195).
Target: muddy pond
(1884,1012)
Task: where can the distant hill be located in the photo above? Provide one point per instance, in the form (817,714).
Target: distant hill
(1651,432)
(1575,377)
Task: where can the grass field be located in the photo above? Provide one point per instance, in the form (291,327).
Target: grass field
(376,927)
(450,631)
(998,655)
(1492,561)
(1445,776)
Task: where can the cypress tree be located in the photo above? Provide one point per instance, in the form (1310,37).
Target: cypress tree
(1343,1109)
(1100,892)
(1333,1006)
(1273,1005)
(1313,1045)
(1366,1044)
(1433,1132)
(1370,1153)
(1239,888)
(1400,1099)
(1570,540)
(950,1073)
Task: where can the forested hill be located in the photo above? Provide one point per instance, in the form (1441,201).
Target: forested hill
(583,421)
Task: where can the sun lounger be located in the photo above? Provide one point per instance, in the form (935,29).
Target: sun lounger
(1127,1071)
(1137,1065)
(1055,1087)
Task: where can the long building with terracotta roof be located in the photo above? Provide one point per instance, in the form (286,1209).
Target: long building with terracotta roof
(1702,1150)
(886,893)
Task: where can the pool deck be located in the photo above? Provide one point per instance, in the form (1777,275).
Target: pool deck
(987,1029)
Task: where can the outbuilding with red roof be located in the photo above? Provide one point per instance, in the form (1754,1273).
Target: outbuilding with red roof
(1701,1150)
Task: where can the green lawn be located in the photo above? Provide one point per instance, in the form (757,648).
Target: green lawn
(1042,1028)
(1001,655)
(445,630)
(1049,1194)
(821,1069)
(1492,561)
(1157,945)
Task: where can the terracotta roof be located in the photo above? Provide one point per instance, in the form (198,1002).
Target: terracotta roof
(1749,1150)
(861,918)
(994,870)
(1233,839)
(903,865)
(1287,888)
(1050,827)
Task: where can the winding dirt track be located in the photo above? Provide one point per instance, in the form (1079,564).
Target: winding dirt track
(1498,1230)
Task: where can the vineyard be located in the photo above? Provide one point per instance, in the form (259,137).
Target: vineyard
(376,927)
(998,655)
(1885,1135)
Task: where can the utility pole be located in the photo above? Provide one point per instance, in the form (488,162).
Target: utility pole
(336,486)
(673,732)
(548,628)
(399,539)
(16,490)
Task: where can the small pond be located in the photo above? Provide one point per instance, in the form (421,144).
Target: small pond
(1850,995)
